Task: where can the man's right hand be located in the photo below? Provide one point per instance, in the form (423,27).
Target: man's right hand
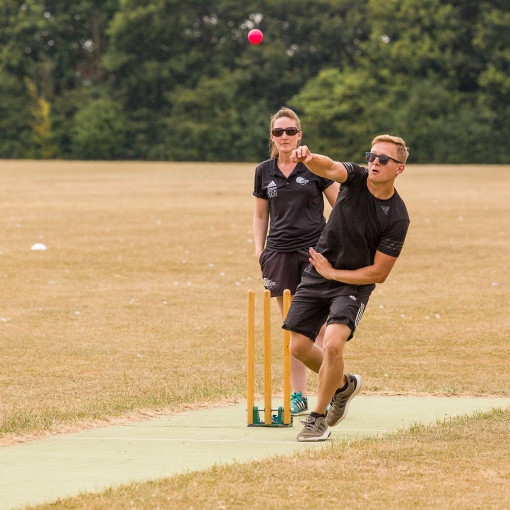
(302,154)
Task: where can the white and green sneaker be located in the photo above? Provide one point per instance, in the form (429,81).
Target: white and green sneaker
(298,404)
(315,429)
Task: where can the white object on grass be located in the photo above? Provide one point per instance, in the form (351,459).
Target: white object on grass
(38,247)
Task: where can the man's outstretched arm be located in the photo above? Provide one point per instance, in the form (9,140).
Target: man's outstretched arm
(319,164)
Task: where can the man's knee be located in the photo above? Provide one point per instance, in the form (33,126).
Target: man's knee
(335,338)
(300,345)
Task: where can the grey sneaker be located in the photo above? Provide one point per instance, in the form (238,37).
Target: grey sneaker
(340,401)
(298,404)
(315,429)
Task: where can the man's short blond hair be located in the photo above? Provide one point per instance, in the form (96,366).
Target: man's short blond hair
(402,150)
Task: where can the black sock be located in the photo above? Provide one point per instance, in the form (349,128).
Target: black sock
(343,388)
(317,415)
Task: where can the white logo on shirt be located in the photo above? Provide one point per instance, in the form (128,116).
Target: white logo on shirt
(272,190)
(385,209)
(302,181)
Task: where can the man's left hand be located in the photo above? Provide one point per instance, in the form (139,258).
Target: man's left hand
(321,264)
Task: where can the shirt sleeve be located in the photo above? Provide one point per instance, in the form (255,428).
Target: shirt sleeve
(355,173)
(325,183)
(258,188)
(393,239)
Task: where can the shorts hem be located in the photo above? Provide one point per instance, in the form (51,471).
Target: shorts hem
(277,294)
(299,332)
(347,322)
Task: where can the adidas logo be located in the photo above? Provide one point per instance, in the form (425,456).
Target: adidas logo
(272,184)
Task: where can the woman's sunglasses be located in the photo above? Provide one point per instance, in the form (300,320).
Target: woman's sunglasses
(291,131)
(371,157)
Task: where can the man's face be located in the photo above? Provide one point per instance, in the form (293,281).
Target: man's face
(378,173)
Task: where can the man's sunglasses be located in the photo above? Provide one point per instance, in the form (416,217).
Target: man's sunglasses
(291,131)
(371,157)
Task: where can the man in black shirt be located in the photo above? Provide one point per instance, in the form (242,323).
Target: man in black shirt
(357,249)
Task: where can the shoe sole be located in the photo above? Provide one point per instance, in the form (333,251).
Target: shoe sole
(300,413)
(359,382)
(324,436)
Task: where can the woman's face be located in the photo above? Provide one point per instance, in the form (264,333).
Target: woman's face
(286,143)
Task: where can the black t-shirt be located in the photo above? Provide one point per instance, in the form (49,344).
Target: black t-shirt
(296,205)
(360,224)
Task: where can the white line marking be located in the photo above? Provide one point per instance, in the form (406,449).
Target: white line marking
(181,440)
(190,440)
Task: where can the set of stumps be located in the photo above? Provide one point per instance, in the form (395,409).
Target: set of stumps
(279,417)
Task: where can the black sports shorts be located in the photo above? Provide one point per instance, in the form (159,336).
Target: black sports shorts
(318,300)
(283,270)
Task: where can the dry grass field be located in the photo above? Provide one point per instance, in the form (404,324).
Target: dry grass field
(137,307)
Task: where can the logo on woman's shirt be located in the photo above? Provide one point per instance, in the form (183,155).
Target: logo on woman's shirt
(271,190)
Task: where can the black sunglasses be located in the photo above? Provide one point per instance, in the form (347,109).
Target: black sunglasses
(291,131)
(371,157)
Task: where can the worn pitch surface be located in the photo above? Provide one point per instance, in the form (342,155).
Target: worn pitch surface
(42,471)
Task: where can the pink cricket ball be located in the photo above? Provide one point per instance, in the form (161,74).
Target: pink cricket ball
(255,36)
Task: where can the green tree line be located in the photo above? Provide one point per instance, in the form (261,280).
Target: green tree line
(174,80)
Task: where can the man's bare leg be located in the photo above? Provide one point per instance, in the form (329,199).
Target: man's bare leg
(305,350)
(331,373)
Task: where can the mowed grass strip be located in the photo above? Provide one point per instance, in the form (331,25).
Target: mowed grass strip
(137,306)
(457,464)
